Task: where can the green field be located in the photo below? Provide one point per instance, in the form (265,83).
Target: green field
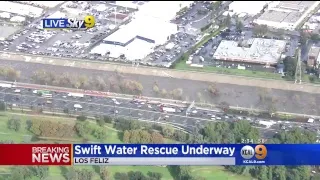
(56,173)
(239,72)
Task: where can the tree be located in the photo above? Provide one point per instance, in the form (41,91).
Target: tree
(42,172)
(20,173)
(156,88)
(315,37)
(212,88)
(167,131)
(14,123)
(227,21)
(184,173)
(2,106)
(155,175)
(239,25)
(81,118)
(84,174)
(156,138)
(100,121)
(163,92)
(177,93)
(290,65)
(107,119)
(121,176)
(66,110)
(104,173)
(72,174)
(279,173)
(136,175)
(126,136)
(260,30)
(12,74)
(131,87)
(271,109)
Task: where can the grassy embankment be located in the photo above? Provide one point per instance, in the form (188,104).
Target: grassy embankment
(23,135)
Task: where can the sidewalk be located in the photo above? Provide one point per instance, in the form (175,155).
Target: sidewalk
(151,71)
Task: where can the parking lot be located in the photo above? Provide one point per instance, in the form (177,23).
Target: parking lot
(198,16)
(66,43)
(165,55)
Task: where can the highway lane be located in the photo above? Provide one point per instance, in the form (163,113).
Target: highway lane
(95,105)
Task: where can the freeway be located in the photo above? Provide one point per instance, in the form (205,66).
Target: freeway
(136,109)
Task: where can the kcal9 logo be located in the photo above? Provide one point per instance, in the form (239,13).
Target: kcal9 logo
(260,152)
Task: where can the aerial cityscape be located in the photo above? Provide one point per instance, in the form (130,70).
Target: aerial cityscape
(152,72)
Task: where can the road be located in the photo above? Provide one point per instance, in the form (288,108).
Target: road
(99,105)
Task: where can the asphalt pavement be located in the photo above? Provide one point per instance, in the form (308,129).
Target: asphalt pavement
(140,110)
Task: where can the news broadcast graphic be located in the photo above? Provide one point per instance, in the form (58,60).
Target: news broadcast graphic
(196,154)
(68,23)
(153,154)
(35,154)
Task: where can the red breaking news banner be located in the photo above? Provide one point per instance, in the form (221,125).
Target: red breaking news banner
(35,154)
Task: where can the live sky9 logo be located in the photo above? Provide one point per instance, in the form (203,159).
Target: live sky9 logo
(259,152)
(88,22)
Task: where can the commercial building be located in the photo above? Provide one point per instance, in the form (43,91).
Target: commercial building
(313,56)
(286,14)
(149,28)
(256,50)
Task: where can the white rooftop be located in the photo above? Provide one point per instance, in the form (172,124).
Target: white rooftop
(137,49)
(48,4)
(249,7)
(5,15)
(57,14)
(20,9)
(161,10)
(147,27)
(151,23)
(17,19)
(265,51)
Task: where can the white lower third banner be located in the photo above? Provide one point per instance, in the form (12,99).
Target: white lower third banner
(143,161)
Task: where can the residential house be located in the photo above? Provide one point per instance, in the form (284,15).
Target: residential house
(313,56)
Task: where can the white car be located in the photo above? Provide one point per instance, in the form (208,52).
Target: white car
(17,91)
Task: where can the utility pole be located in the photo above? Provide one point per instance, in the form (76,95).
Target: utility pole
(298,74)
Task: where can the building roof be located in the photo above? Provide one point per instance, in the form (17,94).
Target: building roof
(286,11)
(249,7)
(149,27)
(314,51)
(157,31)
(137,49)
(266,51)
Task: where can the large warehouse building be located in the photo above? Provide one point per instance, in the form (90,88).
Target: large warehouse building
(256,50)
(286,14)
(149,28)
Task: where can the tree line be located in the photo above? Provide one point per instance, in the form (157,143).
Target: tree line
(114,83)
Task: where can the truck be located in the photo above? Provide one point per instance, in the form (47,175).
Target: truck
(41,92)
(76,95)
(77,106)
(168,109)
(5,85)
